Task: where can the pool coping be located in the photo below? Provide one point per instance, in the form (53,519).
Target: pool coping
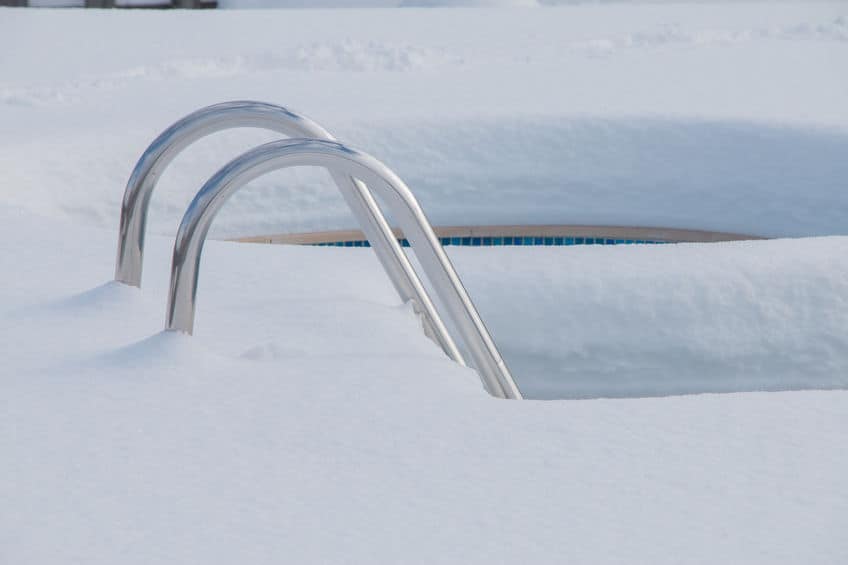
(666,235)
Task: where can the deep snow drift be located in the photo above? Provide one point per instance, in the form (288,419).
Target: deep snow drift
(309,419)
(725,117)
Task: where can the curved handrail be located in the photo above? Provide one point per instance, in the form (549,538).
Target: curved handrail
(227,115)
(332,155)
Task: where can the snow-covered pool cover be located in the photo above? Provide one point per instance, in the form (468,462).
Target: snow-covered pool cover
(308,420)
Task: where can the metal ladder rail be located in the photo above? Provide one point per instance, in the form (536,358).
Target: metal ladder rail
(332,155)
(228,115)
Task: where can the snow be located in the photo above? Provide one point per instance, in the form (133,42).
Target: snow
(309,419)
(466,3)
(300,4)
(658,320)
(721,117)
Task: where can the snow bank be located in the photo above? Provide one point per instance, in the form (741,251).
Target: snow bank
(670,319)
(730,176)
(739,162)
(627,115)
(309,419)
(572,322)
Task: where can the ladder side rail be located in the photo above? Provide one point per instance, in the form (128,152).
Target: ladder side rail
(395,262)
(227,115)
(310,152)
(448,287)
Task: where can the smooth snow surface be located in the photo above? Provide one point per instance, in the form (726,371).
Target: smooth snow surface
(725,117)
(464,3)
(273,4)
(308,420)
(672,319)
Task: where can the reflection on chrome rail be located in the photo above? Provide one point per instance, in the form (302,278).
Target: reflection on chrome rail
(394,193)
(227,115)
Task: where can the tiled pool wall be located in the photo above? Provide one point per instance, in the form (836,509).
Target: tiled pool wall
(501,241)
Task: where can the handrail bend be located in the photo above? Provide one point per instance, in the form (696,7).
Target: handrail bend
(344,160)
(227,115)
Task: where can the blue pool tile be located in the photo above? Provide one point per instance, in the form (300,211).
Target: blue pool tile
(498,241)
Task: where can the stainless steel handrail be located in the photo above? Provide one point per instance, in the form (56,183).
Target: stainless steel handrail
(227,115)
(344,160)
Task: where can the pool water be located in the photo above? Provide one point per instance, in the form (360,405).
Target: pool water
(501,241)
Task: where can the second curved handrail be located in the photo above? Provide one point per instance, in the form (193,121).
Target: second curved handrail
(334,156)
(245,113)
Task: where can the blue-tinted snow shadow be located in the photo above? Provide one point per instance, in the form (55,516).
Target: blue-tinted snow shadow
(164,350)
(106,298)
(724,175)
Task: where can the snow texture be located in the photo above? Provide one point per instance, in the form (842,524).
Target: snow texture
(623,115)
(309,420)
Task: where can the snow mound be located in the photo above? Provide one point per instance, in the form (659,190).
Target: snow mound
(251,441)
(161,353)
(571,322)
(731,176)
(668,319)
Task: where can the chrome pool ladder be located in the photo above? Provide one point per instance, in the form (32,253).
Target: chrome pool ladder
(312,146)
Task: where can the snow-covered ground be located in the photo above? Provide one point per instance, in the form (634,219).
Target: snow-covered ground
(726,117)
(308,419)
